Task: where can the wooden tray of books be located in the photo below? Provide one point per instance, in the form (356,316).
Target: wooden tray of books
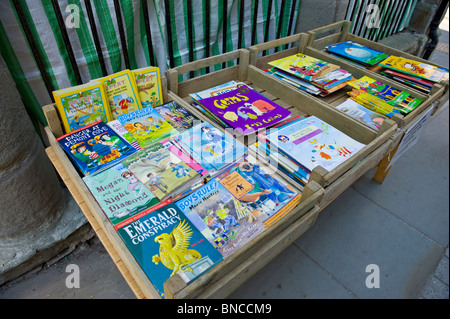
(133,218)
(337,179)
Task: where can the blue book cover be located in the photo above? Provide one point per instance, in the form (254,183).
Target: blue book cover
(94,147)
(166,243)
(357,52)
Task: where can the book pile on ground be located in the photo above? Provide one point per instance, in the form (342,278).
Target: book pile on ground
(357,53)
(310,74)
(301,144)
(242,109)
(416,74)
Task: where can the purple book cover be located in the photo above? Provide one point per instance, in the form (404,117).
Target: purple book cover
(245,110)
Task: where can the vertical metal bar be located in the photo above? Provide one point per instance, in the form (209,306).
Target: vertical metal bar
(361,18)
(400,16)
(34,49)
(98,48)
(224,29)
(280,22)
(373,32)
(291,21)
(207,30)
(148,32)
(190,34)
(267,26)
(382,22)
(255,20)
(394,17)
(355,25)
(123,40)
(169,33)
(241,22)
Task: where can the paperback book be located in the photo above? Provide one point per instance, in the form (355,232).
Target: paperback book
(148,83)
(177,116)
(415,68)
(119,193)
(357,52)
(117,127)
(165,244)
(361,113)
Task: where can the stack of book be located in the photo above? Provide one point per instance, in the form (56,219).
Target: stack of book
(239,107)
(300,144)
(416,74)
(356,53)
(310,74)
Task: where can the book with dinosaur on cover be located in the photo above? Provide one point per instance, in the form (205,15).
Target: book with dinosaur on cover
(94,147)
(148,83)
(226,222)
(119,193)
(166,243)
(82,105)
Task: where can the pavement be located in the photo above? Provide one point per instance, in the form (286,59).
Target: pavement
(387,241)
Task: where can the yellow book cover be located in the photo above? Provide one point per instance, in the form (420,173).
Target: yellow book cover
(148,82)
(420,69)
(81,105)
(122,93)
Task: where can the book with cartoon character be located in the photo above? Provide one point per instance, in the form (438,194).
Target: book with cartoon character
(177,116)
(357,52)
(161,171)
(148,83)
(311,142)
(94,147)
(220,217)
(165,243)
(245,110)
(147,126)
(82,105)
(119,193)
(122,93)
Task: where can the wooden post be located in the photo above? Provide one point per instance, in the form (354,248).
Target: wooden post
(383,170)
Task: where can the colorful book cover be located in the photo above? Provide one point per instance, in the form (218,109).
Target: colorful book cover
(303,66)
(216,90)
(161,171)
(165,243)
(389,94)
(361,113)
(94,147)
(311,142)
(119,193)
(185,158)
(357,52)
(177,116)
(122,93)
(220,217)
(245,110)
(255,186)
(117,127)
(416,68)
(82,105)
(148,83)
(147,126)
(210,147)
(373,102)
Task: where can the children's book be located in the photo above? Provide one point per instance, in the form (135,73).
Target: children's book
(122,93)
(303,66)
(82,105)
(311,142)
(373,102)
(119,193)
(166,243)
(357,52)
(210,147)
(258,189)
(177,116)
(216,90)
(185,158)
(220,217)
(117,127)
(147,126)
(148,83)
(245,110)
(161,171)
(361,113)
(416,68)
(95,147)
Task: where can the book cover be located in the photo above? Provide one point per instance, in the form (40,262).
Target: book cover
(146,126)
(216,90)
(361,113)
(357,52)
(210,147)
(416,68)
(119,193)
(82,105)
(256,187)
(311,142)
(117,127)
(185,158)
(177,116)
(94,147)
(303,66)
(220,217)
(161,171)
(165,243)
(148,83)
(245,110)
(122,93)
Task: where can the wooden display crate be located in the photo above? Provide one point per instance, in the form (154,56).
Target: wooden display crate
(334,182)
(218,282)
